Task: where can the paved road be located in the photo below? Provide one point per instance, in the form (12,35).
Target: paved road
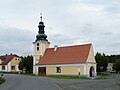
(112,82)
(22,82)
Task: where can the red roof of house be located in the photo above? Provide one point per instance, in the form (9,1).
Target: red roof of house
(66,55)
(7,58)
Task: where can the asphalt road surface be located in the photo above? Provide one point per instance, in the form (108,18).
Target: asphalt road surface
(22,82)
(112,82)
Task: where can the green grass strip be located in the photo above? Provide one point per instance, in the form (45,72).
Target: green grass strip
(103,74)
(69,77)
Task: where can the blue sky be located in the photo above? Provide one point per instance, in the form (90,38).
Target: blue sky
(68,22)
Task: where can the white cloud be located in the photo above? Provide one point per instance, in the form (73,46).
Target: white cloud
(13,40)
(67,22)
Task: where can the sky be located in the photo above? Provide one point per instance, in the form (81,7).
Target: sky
(67,22)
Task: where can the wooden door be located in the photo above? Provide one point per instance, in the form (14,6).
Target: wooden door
(42,71)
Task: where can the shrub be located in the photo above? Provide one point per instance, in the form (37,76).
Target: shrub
(2,80)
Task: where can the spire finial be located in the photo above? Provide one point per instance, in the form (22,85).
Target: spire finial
(41,16)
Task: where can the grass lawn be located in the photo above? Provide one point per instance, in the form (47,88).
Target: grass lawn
(9,72)
(103,74)
(2,80)
(29,74)
(69,77)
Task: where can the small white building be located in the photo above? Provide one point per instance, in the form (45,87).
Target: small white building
(9,63)
(110,67)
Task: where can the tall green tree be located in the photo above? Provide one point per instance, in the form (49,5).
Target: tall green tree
(102,62)
(113,58)
(116,66)
(27,63)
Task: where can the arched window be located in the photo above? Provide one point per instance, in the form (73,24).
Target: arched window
(37,44)
(37,48)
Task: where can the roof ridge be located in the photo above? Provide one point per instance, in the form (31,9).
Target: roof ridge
(72,46)
(9,55)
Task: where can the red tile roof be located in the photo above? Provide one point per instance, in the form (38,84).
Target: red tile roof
(66,55)
(7,58)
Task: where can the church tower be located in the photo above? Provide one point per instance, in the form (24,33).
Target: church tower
(40,44)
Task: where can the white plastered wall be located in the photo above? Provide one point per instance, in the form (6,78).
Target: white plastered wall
(91,61)
(8,67)
(37,53)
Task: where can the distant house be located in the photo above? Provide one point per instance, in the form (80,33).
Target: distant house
(110,67)
(9,63)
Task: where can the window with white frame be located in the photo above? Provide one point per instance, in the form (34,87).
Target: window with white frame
(3,67)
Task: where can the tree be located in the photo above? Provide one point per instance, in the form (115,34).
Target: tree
(116,66)
(102,62)
(113,58)
(21,65)
(27,63)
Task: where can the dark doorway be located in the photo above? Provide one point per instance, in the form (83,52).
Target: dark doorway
(92,71)
(42,71)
